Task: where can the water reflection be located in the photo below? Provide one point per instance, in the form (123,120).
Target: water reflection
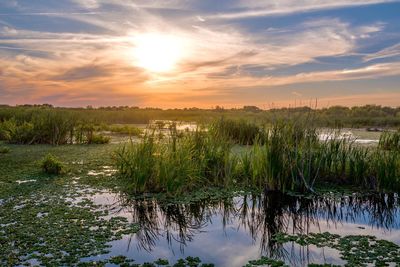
(165,227)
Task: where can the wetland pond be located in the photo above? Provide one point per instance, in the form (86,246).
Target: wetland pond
(232,231)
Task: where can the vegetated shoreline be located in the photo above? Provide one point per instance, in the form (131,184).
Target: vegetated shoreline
(288,156)
(372,116)
(21,162)
(230,157)
(285,154)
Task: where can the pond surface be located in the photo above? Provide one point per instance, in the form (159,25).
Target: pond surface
(233,231)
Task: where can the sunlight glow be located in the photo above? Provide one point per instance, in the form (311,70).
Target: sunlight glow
(157,52)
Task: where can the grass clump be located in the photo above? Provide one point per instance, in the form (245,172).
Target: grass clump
(4,150)
(123,129)
(289,157)
(99,139)
(390,140)
(51,165)
(50,127)
(178,165)
(238,131)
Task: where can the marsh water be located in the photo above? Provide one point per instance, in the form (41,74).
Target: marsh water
(232,231)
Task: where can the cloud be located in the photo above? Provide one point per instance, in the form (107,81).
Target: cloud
(228,48)
(85,72)
(388,52)
(88,3)
(256,8)
(369,72)
(94,57)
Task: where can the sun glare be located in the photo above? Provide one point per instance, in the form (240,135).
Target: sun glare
(157,52)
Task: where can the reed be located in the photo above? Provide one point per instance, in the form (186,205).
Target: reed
(390,140)
(180,163)
(49,127)
(122,129)
(238,131)
(335,116)
(290,156)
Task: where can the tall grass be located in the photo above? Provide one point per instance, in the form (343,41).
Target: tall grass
(238,131)
(290,156)
(390,140)
(180,164)
(49,127)
(365,116)
(123,129)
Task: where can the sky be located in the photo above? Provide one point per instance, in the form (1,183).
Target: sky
(200,53)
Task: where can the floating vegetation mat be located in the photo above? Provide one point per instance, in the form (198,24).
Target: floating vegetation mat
(356,250)
(46,228)
(81,219)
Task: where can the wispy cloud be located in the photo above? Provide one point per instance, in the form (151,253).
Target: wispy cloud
(388,52)
(255,8)
(54,61)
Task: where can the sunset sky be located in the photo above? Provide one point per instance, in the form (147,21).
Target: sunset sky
(185,53)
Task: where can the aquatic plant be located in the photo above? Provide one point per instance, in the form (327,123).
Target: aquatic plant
(238,131)
(55,233)
(99,139)
(124,261)
(52,165)
(123,129)
(265,261)
(85,133)
(357,250)
(180,164)
(289,157)
(390,140)
(4,150)
(50,127)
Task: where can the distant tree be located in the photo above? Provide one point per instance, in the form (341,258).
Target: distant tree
(219,108)
(251,108)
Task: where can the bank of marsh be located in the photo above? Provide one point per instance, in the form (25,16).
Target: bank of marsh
(287,156)
(195,189)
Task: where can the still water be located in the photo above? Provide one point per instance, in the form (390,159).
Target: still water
(233,231)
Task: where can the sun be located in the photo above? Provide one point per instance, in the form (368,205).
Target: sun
(157,52)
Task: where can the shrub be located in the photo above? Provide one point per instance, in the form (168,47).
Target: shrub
(52,165)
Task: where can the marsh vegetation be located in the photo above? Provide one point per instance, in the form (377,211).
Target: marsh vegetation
(286,156)
(88,185)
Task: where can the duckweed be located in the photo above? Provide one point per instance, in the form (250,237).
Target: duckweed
(55,231)
(357,250)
